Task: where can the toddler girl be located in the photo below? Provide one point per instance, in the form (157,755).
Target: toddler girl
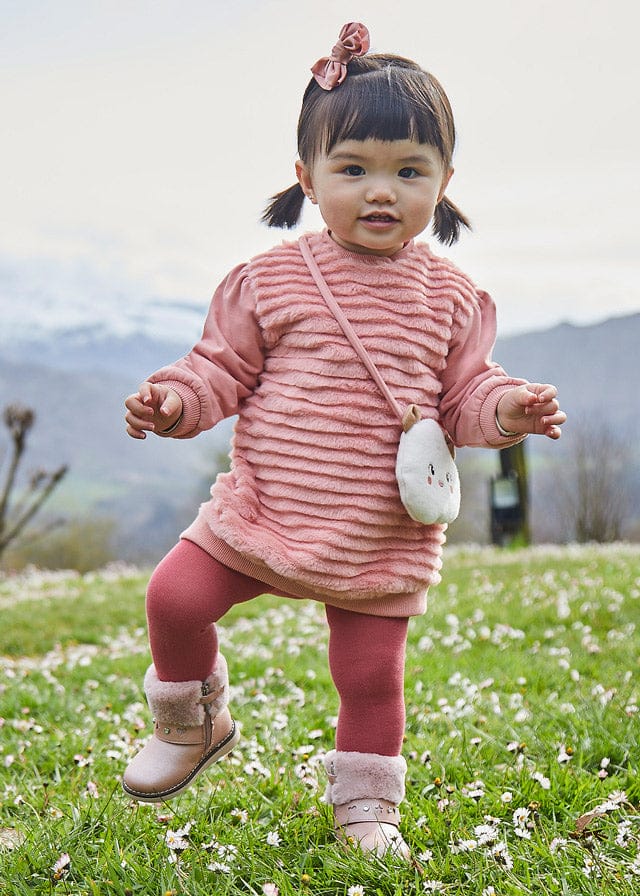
(310,508)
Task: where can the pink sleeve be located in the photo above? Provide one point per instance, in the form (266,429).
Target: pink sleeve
(472,383)
(223,367)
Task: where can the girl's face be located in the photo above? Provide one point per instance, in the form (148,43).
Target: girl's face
(374,195)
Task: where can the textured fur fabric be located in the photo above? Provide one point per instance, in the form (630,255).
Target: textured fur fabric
(177,703)
(312,492)
(356,776)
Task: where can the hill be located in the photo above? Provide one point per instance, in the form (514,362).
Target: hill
(148,489)
(77,383)
(596,367)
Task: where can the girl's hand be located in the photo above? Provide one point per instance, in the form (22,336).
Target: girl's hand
(531,408)
(153,407)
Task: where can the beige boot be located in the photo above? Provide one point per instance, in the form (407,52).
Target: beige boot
(193,728)
(365,790)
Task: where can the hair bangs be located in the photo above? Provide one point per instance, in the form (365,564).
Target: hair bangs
(387,104)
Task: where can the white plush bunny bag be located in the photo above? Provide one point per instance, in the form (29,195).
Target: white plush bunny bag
(425,465)
(426,472)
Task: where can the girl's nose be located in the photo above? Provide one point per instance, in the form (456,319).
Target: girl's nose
(380,191)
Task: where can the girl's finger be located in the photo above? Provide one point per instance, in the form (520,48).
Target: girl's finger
(136,422)
(547,393)
(136,433)
(138,410)
(145,393)
(557,418)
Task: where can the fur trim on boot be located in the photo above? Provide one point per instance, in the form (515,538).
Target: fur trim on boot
(365,790)
(355,776)
(193,729)
(179,704)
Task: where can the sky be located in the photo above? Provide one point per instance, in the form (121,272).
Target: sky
(141,141)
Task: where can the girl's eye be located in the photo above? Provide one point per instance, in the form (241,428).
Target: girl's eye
(354,170)
(407,173)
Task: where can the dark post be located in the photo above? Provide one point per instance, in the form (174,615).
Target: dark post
(510,499)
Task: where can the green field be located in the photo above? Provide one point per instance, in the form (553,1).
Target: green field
(523,701)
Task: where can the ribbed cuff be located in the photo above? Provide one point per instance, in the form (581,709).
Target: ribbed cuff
(186,425)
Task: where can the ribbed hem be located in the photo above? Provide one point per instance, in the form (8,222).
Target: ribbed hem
(397,605)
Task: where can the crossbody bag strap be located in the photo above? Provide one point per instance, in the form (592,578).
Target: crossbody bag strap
(412,413)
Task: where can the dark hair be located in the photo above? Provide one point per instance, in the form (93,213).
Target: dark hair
(384,97)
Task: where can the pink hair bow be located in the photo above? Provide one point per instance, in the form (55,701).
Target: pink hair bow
(353,40)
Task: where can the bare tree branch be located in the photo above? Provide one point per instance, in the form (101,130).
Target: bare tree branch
(18,420)
(13,518)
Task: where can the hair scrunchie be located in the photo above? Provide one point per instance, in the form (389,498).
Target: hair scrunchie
(353,40)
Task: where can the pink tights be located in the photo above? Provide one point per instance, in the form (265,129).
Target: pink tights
(190,591)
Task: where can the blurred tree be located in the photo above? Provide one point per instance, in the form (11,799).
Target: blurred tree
(17,512)
(595,486)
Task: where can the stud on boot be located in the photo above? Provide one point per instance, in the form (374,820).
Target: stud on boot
(193,729)
(365,790)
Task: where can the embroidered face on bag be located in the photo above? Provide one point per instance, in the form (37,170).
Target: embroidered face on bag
(435,479)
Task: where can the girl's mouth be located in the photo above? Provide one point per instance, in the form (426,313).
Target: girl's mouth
(379,218)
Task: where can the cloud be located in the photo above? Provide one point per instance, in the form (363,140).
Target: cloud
(143,143)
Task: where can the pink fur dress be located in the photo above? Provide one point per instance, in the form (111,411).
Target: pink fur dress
(311,504)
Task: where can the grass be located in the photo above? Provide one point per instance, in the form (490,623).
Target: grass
(523,701)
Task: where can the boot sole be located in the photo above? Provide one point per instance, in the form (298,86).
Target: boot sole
(222,748)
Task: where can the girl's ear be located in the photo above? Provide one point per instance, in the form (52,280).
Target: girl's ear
(304,179)
(445,183)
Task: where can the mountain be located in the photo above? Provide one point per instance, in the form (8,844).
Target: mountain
(77,384)
(596,368)
(77,380)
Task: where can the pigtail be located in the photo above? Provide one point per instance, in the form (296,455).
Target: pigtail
(284,209)
(447,221)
